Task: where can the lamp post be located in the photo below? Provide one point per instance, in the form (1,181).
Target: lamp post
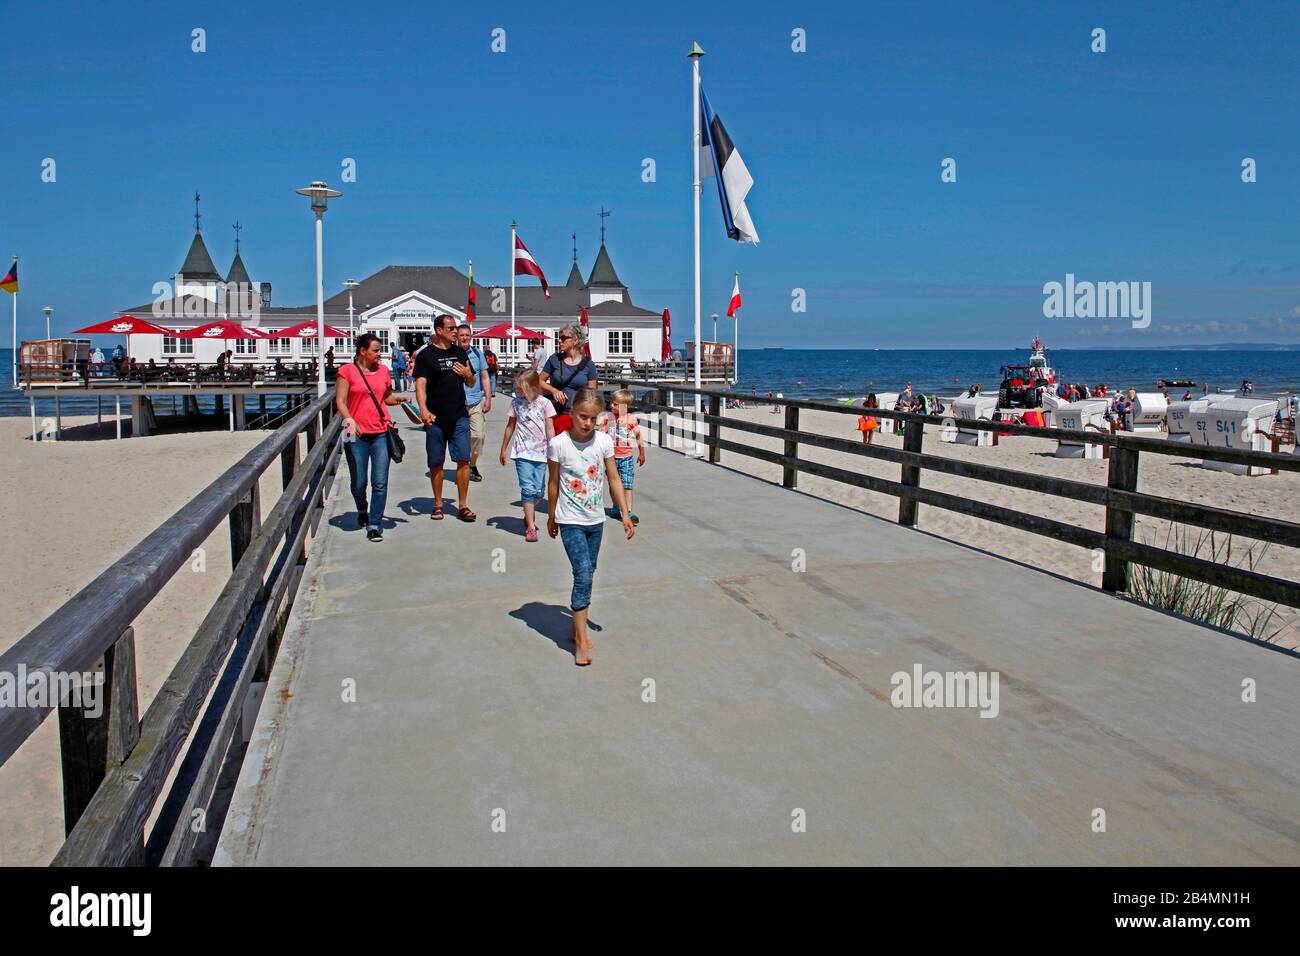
(48,312)
(351,284)
(320,195)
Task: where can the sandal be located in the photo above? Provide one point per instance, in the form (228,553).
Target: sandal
(437,513)
(466,515)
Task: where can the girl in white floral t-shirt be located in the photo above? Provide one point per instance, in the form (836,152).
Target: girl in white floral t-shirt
(581,464)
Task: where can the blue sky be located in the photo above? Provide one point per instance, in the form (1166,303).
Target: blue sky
(1115,166)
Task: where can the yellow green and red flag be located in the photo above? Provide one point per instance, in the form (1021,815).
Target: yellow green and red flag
(10,282)
(469,308)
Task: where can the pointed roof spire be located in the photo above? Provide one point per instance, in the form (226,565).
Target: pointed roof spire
(198,265)
(602,273)
(575,274)
(237,271)
(196,211)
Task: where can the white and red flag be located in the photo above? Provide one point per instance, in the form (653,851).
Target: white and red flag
(735,299)
(586,331)
(526,265)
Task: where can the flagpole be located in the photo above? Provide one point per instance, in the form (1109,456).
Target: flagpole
(514,339)
(695,55)
(735,346)
(15,332)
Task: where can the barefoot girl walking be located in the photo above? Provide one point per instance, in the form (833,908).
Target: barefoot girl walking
(581,464)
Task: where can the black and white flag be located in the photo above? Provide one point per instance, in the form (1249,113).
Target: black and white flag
(734,181)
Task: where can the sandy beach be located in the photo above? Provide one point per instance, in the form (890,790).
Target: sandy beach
(1179,478)
(73,508)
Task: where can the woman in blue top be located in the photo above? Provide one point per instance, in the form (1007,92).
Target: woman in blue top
(565,373)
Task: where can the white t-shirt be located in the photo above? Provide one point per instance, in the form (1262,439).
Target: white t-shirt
(530,427)
(582,477)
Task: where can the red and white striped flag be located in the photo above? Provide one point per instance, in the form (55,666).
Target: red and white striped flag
(735,299)
(526,265)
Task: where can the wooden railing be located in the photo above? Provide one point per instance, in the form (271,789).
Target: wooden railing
(1120,497)
(299,374)
(115,766)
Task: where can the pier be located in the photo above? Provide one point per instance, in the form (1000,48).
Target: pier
(753,696)
(769,625)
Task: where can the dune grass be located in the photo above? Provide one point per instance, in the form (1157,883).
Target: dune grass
(1200,601)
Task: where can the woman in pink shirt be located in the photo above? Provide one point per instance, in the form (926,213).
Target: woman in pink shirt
(364,388)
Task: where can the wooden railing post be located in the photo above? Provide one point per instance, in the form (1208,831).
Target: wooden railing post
(245,520)
(789,475)
(1121,475)
(913,439)
(289,462)
(661,417)
(715,430)
(312,432)
(94,739)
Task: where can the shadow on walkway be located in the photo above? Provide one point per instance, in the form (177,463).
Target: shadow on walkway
(553,621)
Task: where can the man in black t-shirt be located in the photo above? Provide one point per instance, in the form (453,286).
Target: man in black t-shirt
(442,370)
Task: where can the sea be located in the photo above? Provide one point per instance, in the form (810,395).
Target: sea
(832,374)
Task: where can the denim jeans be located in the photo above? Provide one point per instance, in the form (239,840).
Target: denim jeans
(532,479)
(372,449)
(582,544)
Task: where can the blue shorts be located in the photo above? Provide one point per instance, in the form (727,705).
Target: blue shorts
(626,470)
(532,479)
(436,442)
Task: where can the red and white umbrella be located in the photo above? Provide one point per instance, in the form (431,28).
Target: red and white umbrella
(127,325)
(223,329)
(124,325)
(503,330)
(586,332)
(305,330)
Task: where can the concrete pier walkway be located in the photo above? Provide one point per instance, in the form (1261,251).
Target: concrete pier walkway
(425,708)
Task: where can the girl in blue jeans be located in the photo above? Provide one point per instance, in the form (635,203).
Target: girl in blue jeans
(580,462)
(529,430)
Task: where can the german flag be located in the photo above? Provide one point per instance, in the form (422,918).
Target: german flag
(470,317)
(10,282)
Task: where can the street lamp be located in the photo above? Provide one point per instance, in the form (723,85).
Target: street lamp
(320,195)
(48,312)
(351,284)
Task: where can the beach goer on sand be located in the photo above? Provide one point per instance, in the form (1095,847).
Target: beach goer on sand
(478,399)
(867,424)
(399,368)
(364,389)
(441,373)
(622,426)
(529,430)
(580,463)
(566,373)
